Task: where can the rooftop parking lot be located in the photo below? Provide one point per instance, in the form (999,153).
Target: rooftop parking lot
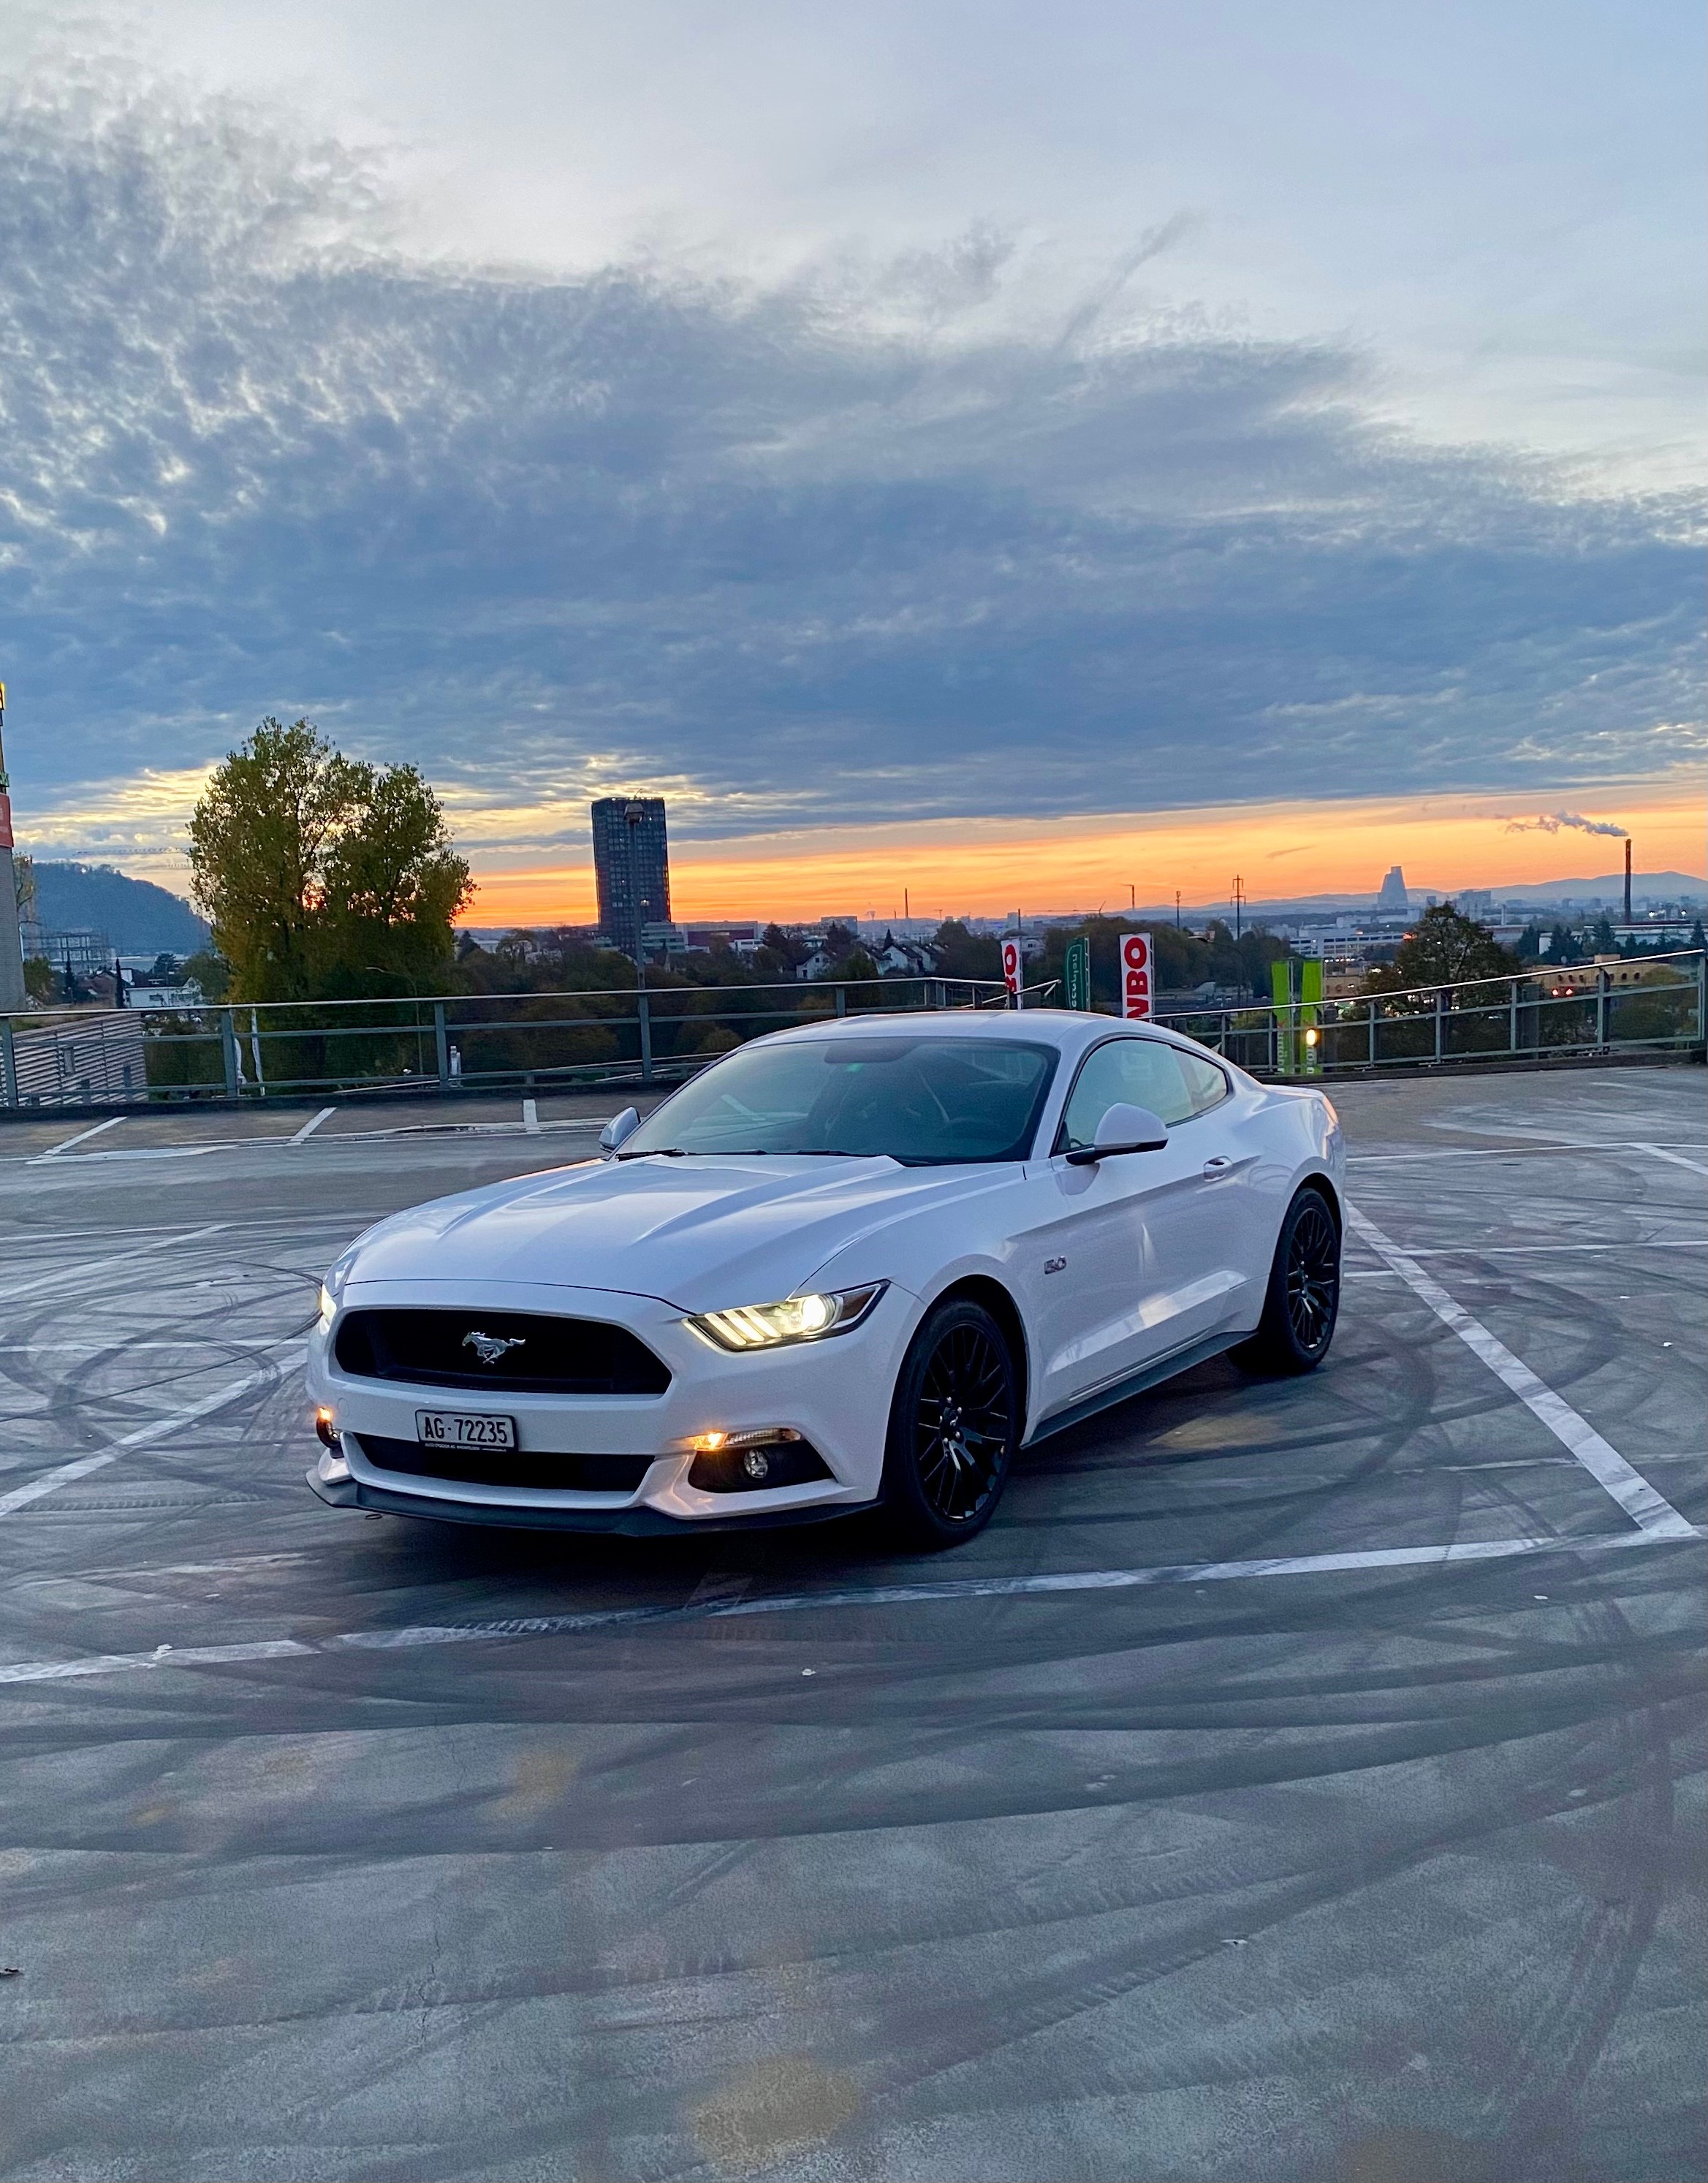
(1296,1780)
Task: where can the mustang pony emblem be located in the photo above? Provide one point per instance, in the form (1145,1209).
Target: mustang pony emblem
(489,1347)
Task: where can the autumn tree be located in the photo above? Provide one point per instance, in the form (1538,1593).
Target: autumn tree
(1447,948)
(321,875)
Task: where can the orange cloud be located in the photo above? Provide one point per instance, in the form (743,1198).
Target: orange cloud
(985,867)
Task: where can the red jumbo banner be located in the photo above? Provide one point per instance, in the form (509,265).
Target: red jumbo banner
(1135,974)
(6,841)
(1011,968)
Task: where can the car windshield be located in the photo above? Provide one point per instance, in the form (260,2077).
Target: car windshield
(920,1101)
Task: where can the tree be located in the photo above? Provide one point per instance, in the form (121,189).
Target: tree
(853,968)
(391,883)
(209,973)
(962,954)
(1446,949)
(1604,943)
(321,875)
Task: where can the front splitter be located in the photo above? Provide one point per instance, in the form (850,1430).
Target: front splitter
(625,1523)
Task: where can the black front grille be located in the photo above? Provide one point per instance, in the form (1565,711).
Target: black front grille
(546,1356)
(506,1466)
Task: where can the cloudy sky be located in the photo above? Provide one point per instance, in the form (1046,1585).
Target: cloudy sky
(899,435)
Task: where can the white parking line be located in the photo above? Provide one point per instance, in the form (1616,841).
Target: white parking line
(1527,1250)
(121,1345)
(167,1230)
(68,1474)
(1063,1582)
(34,1286)
(1549,1150)
(307,1130)
(1645,1507)
(1678,1159)
(81,1137)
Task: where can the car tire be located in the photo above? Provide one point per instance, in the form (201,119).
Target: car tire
(1302,1300)
(954,1425)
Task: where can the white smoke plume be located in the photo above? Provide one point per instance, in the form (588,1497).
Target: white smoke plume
(1550,822)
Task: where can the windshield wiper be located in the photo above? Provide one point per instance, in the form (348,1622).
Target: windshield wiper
(656,1151)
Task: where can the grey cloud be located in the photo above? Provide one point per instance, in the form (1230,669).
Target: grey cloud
(563,533)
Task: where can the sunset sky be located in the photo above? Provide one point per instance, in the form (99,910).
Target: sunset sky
(1013,454)
(988,866)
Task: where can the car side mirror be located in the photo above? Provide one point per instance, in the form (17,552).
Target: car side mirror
(1123,1129)
(618,1127)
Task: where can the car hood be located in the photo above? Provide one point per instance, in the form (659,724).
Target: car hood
(698,1233)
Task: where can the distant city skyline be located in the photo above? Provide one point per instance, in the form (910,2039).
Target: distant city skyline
(1282,853)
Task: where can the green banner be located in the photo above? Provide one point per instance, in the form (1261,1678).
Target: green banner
(1076,974)
(1297,989)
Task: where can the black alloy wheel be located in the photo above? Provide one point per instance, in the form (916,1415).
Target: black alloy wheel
(1313,1277)
(1302,1301)
(954,1427)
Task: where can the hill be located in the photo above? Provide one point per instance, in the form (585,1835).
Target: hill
(1652,886)
(1657,887)
(138,916)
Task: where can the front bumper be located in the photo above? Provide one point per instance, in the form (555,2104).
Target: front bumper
(634,1521)
(835,1393)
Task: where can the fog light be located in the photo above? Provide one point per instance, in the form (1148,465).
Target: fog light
(325,1431)
(751,1462)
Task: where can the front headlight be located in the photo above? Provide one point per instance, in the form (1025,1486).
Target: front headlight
(332,1288)
(796,1319)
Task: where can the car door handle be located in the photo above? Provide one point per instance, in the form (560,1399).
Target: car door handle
(1217,1166)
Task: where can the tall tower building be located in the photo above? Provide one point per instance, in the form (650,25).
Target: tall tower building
(1394,901)
(13,994)
(631,864)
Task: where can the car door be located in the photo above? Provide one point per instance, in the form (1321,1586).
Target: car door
(1128,1258)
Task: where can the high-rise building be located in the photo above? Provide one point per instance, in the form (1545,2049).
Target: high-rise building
(631,864)
(12,990)
(1394,901)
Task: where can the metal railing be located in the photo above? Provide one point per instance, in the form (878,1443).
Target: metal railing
(1655,1004)
(435,1044)
(445,1044)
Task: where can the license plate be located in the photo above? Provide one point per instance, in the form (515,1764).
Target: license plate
(463,1429)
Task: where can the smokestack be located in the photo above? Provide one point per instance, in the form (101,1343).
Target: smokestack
(1627,879)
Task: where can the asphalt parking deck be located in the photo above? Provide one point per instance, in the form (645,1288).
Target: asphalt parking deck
(1298,1780)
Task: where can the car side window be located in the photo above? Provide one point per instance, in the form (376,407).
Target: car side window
(1206,1085)
(1136,1072)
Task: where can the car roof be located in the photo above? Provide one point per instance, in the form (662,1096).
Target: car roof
(1067,1029)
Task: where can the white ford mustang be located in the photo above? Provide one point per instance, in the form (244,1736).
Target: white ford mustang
(857,1263)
